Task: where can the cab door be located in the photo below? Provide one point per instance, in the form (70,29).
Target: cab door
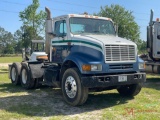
(58,42)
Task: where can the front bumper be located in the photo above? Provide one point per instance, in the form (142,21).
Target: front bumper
(112,80)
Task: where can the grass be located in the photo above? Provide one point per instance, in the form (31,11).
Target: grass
(10,59)
(47,103)
(3,70)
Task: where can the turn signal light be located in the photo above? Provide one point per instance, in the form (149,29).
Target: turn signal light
(86,67)
(144,65)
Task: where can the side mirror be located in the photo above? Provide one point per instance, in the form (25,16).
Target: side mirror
(158,37)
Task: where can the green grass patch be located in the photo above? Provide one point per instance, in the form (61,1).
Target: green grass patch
(3,70)
(10,59)
(48,103)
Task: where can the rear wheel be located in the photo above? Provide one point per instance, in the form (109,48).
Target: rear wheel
(73,91)
(26,81)
(15,73)
(129,90)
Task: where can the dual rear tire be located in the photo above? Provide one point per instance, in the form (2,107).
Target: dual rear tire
(27,81)
(15,73)
(21,74)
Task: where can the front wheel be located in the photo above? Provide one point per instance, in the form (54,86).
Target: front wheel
(74,92)
(129,90)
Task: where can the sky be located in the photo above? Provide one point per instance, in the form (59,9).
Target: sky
(10,21)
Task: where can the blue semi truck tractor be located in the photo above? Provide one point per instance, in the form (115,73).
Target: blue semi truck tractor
(83,52)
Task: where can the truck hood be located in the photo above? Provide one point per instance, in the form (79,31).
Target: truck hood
(105,39)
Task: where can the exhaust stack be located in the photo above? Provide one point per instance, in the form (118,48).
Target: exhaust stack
(48,13)
(48,30)
(151,18)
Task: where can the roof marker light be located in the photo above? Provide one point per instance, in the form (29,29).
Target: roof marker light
(71,15)
(86,16)
(158,20)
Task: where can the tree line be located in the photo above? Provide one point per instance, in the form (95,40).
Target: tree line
(34,24)
(32,28)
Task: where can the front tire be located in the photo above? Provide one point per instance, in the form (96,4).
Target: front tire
(74,92)
(26,81)
(129,90)
(15,73)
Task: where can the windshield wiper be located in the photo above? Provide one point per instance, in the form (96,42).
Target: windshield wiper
(79,31)
(96,31)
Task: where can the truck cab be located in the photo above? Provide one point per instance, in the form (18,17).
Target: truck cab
(152,60)
(153,38)
(88,46)
(91,43)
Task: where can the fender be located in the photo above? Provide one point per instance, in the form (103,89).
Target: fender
(36,69)
(85,58)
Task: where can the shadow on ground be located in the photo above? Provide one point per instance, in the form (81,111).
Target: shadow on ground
(49,102)
(153,83)
(3,71)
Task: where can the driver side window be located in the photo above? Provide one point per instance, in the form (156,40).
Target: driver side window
(60,28)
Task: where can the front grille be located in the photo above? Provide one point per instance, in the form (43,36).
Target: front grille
(120,53)
(121,67)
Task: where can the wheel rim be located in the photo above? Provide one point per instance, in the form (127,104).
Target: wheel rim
(13,73)
(24,76)
(70,87)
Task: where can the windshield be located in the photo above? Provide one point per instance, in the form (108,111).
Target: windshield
(37,47)
(91,26)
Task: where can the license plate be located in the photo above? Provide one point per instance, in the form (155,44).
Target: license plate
(122,78)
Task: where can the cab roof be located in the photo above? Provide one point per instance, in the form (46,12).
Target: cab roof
(82,16)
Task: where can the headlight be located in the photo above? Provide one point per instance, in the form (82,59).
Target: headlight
(141,65)
(97,67)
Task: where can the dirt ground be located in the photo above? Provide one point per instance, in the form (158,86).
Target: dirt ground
(47,103)
(4,64)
